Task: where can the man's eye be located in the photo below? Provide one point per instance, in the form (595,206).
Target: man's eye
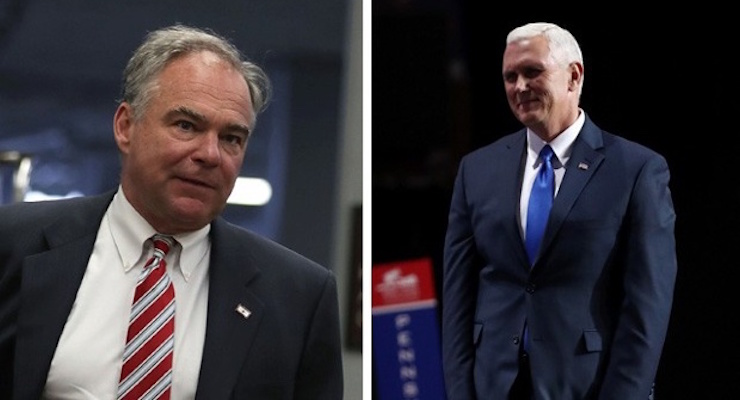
(532,73)
(234,139)
(185,125)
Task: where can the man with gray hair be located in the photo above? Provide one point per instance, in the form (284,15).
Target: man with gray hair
(560,256)
(145,291)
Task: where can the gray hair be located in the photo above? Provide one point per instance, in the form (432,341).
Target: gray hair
(564,48)
(162,46)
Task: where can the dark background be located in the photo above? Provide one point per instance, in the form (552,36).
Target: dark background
(665,78)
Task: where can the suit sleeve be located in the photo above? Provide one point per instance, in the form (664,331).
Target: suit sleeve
(649,277)
(459,293)
(320,374)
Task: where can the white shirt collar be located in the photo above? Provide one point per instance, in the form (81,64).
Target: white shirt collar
(562,145)
(130,230)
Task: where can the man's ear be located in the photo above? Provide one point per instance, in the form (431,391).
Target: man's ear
(576,76)
(123,122)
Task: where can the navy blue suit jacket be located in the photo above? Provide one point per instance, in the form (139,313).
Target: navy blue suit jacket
(598,298)
(289,348)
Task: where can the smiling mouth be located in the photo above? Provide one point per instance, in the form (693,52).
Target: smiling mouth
(527,103)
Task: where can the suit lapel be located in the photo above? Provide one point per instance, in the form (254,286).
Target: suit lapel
(48,289)
(583,163)
(234,313)
(513,164)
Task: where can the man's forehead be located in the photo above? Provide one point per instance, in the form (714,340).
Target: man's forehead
(524,61)
(523,55)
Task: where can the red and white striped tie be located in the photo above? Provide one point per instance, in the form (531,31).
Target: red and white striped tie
(147,358)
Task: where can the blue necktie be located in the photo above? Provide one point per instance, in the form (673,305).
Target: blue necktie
(540,202)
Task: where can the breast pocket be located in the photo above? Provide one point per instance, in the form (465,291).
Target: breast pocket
(592,340)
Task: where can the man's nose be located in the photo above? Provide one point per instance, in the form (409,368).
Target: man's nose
(208,150)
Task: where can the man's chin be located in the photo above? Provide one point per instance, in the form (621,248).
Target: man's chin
(194,212)
(527,118)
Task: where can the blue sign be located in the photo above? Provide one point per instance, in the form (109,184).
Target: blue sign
(406,347)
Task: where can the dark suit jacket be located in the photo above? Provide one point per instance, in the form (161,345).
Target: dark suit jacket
(289,348)
(598,298)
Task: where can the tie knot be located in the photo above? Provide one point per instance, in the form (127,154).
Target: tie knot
(162,244)
(546,153)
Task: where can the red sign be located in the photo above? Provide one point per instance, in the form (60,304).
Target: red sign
(403,282)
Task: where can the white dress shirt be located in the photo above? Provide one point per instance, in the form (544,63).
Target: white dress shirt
(88,359)
(561,146)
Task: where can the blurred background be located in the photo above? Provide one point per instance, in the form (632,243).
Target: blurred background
(60,69)
(662,77)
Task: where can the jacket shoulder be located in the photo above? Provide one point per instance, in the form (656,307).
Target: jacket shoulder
(496,148)
(264,251)
(41,213)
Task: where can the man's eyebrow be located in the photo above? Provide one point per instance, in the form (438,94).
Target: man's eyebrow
(200,118)
(182,110)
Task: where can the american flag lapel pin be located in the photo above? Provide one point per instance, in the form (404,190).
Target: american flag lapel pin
(583,166)
(243,311)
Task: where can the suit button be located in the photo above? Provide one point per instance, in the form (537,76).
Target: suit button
(515,339)
(530,287)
